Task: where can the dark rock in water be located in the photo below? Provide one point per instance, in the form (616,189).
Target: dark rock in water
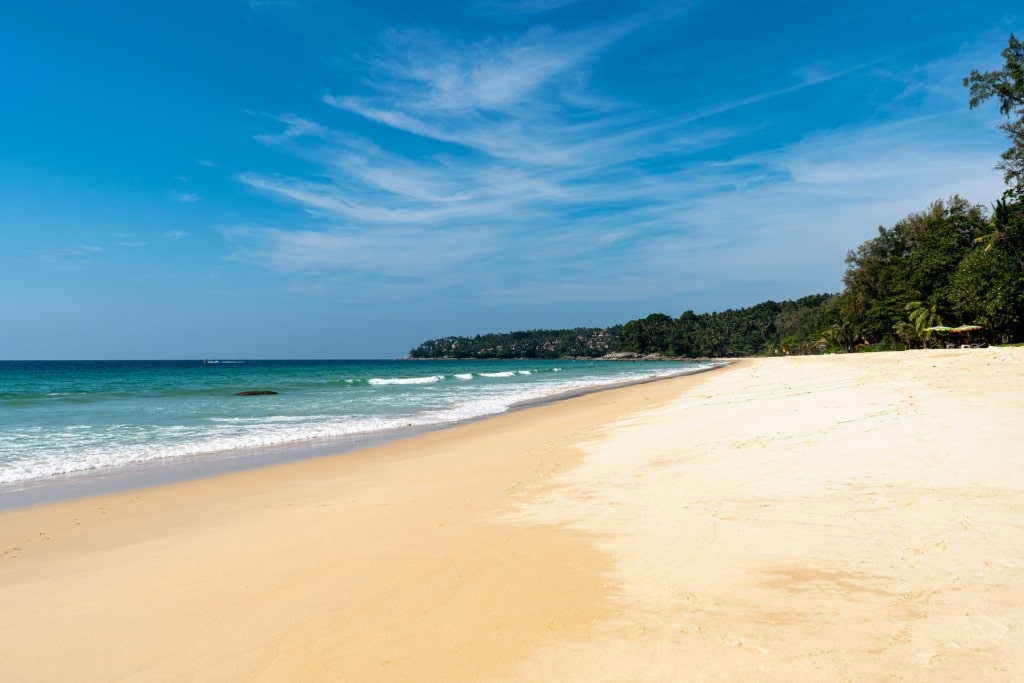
(258,392)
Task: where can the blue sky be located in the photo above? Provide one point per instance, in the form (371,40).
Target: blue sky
(304,178)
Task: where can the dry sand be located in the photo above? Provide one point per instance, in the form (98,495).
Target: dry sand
(843,518)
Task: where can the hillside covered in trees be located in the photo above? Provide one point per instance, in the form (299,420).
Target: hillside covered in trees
(582,342)
(769,327)
(954,263)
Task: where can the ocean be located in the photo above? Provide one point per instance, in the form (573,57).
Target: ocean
(62,419)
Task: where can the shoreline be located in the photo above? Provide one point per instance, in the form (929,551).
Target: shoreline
(159,472)
(819,518)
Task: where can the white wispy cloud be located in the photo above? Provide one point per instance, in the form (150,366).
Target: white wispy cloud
(294,127)
(176,235)
(187,197)
(408,255)
(128,239)
(504,98)
(535,184)
(71,257)
(529,6)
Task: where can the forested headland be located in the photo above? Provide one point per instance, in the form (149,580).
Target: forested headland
(952,264)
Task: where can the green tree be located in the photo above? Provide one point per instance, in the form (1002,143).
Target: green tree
(988,290)
(1007,85)
(938,238)
(923,315)
(800,324)
(908,332)
(876,282)
(844,334)
(648,335)
(1007,230)
(913,261)
(988,286)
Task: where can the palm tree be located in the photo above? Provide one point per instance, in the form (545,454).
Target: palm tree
(907,331)
(924,316)
(1002,217)
(843,334)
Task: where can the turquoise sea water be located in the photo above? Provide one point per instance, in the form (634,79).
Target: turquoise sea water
(58,418)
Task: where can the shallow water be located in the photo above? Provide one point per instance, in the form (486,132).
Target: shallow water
(59,418)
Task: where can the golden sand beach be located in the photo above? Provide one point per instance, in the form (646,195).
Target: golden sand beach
(834,518)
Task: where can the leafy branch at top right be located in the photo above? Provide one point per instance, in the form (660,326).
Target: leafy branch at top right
(1006,84)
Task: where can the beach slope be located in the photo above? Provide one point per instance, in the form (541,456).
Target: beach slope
(836,518)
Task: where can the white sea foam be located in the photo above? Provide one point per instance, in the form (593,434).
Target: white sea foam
(406,380)
(498,374)
(464,375)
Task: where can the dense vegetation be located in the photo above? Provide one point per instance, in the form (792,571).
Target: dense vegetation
(954,263)
(767,328)
(582,342)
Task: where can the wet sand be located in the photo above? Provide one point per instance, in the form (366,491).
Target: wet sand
(837,518)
